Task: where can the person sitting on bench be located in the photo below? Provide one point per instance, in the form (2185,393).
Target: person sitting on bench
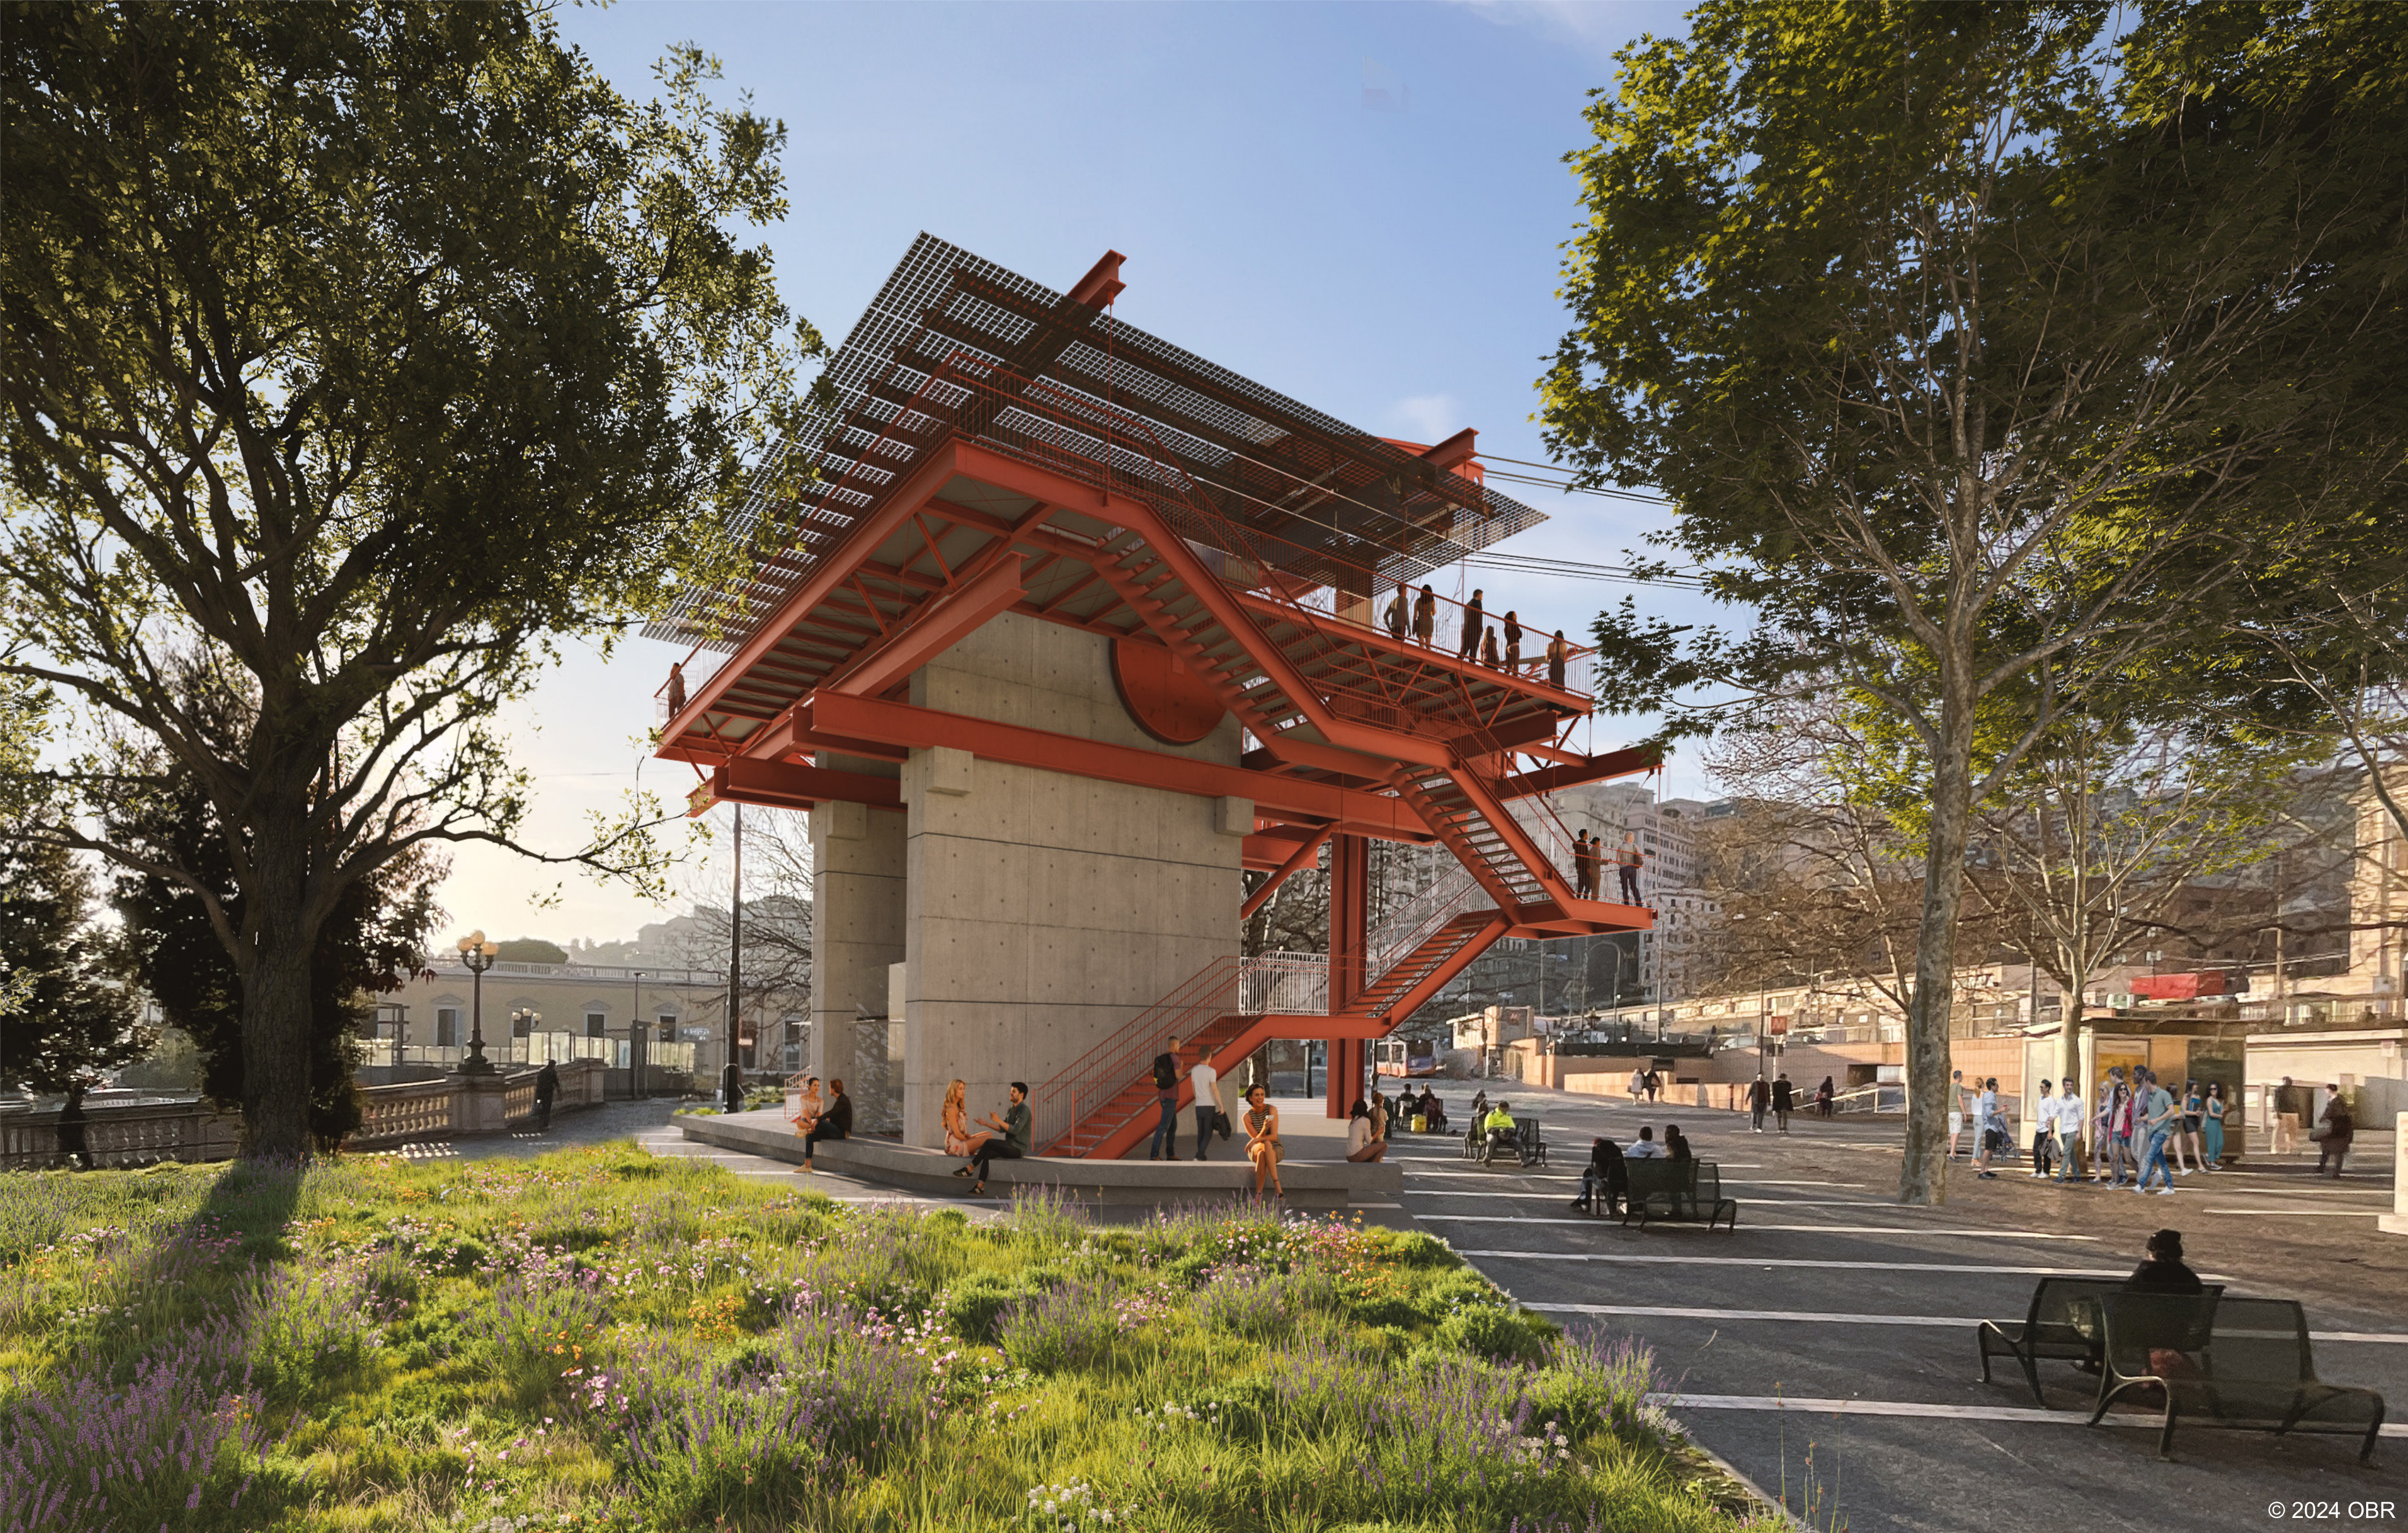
(1604,1178)
(1501,1133)
(1676,1145)
(1011,1141)
(1433,1111)
(1646,1149)
(835,1124)
(2162,1270)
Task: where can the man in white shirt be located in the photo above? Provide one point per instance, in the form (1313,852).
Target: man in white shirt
(2043,1123)
(1205,1078)
(1646,1149)
(2069,1133)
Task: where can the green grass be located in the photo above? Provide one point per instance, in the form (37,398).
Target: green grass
(600,1339)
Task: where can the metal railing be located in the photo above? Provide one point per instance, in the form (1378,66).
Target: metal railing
(1076,1093)
(1293,983)
(535,1048)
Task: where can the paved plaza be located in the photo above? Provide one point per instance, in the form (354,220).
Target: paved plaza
(1827,1350)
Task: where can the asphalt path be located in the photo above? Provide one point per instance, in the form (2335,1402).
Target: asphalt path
(1826,1349)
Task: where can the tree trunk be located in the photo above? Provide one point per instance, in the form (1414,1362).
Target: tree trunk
(1923,1170)
(2069,1040)
(275,998)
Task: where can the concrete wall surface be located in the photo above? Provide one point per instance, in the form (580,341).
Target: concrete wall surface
(1043,912)
(857,916)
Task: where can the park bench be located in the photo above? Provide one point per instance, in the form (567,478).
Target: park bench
(2062,1324)
(1529,1141)
(1681,1191)
(2244,1364)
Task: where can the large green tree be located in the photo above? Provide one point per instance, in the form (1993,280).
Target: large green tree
(375,938)
(1952,368)
(355,351)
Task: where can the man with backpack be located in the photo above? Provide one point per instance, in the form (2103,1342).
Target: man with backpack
(1166,1087)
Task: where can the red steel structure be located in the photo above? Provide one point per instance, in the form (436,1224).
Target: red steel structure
(996,447)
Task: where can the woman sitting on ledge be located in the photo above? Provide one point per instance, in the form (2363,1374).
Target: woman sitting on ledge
(1262,1141)
(959,1141)
(835,1124)
(1363,1141)
(807,1111)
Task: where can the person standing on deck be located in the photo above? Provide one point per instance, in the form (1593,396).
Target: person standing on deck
(1426,617)
(1471,628)
(1558,653)
(1513,642)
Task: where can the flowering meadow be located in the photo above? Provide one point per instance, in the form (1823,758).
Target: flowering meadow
(599,1339)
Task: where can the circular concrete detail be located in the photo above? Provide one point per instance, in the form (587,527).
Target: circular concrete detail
(1163,697)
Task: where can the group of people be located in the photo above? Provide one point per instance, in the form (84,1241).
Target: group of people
(1418,615)
(1779,1097)
(2136,1128)
(1588,862)
(1605,1181)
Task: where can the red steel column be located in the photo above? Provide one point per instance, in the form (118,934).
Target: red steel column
(1349,905)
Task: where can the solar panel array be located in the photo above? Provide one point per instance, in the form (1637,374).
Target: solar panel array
(1313,496)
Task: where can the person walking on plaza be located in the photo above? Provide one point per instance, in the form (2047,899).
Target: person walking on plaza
(1988,1130)
(1009,1140)
(2156,1120)
(1604,1178)
(1205,1083)
(1784,1098)
(835,1124)
(2110,1127)
(1822,1094)
(1955,1109)
(2210,1128)
(1512,643)
(1759,1098)
(1627,860)
(1364,1141)
(1425,618)
(1166,1097)
(1558,653)
(1472,628)
(1638,1085)
(2335,1128)
(547,1091)
(2070,1162)
(2043,1129)
(1655,1083)
(2194,1109)
(1263,1145)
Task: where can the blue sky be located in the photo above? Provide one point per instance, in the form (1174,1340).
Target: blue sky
(1360,206)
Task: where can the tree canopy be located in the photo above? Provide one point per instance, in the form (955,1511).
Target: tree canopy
(356,351)
(1962,359)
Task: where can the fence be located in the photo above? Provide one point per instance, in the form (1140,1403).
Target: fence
(121,1136)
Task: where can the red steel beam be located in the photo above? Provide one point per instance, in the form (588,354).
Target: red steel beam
(902,503)
(1637,758)
(1305,853)
(908,725)
(932,629)
(785,784)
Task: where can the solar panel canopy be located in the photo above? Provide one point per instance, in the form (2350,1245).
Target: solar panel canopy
(954,345)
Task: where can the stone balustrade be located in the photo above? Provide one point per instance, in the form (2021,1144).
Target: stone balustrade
(412,1113)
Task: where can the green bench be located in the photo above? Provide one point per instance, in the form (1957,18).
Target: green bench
(2244,1364)
(1680,1191)
(2062,1325)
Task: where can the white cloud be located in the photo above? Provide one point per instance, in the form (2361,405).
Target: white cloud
(1428,418)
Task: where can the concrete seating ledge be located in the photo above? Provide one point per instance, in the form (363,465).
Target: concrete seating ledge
(1314,1185)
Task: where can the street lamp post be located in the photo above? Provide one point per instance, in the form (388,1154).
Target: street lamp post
(478,955)
(636,1044)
